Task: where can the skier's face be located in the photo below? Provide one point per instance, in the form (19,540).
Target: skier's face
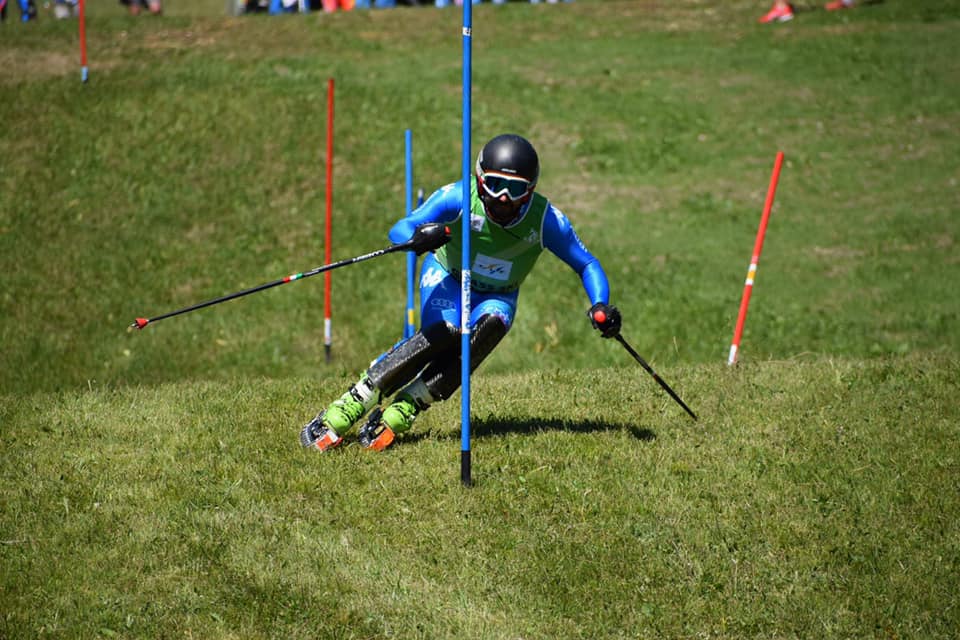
(503,196)
(502,210)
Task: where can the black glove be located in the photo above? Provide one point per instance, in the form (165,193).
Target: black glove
(605,319)
(429,237)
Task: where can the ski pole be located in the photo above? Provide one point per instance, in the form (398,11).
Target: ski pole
(426,238)
(649,369)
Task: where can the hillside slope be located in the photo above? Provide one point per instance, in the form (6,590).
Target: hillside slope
(813,499)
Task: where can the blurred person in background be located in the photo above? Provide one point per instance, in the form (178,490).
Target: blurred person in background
(289,6)
(447,3)
(28,11)
(64,9)
(135,7)
(782,11)
(330,6)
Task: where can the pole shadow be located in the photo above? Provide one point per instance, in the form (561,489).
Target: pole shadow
(493,427)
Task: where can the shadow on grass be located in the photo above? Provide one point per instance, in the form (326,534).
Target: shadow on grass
(495,427)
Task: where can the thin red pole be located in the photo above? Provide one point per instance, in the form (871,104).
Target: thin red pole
(83,41)
(327,307)
(752,270)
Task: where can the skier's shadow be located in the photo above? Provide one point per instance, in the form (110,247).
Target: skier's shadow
(496,427)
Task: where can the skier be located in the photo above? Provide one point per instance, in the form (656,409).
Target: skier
(511,225)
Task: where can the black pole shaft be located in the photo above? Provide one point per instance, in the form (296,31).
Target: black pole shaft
(649,369)
(142,322)
(210,303)
(465,473)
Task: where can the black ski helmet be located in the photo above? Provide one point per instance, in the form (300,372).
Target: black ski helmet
(510,154)
(507,172)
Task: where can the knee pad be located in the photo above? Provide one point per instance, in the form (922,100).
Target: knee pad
(405,361)
(443,378)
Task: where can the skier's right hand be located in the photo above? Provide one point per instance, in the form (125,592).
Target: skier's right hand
(605,319)
(429,237)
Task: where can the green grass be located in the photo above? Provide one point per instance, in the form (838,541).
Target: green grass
(813,500)
(151,485)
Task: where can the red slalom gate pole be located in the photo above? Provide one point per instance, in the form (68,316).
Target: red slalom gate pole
(327,307)
(83,41)
(752,270)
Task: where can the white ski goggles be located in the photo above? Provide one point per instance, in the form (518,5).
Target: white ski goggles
(498,184)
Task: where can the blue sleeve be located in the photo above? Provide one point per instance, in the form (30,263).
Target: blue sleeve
(443,205)
(561,239)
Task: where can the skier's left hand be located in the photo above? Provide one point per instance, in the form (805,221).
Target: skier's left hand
(605,319)
(429,237)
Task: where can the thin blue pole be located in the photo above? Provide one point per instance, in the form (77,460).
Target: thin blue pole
(408,326)
(465,472)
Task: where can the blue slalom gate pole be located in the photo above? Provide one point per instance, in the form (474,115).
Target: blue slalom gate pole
(408,325)
(465,472)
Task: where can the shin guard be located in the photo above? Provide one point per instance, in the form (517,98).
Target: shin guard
(405,361)
(443,378)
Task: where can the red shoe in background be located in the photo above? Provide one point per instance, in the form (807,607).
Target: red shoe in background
(778,14)
(838,4)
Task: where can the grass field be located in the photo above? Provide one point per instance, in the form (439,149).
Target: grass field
(152,484)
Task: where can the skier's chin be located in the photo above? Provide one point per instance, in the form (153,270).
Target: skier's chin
(501,213)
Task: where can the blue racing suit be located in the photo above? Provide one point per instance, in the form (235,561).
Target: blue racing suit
(501,256)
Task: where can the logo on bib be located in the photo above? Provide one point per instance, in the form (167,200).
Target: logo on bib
(493,268)
(432,277)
